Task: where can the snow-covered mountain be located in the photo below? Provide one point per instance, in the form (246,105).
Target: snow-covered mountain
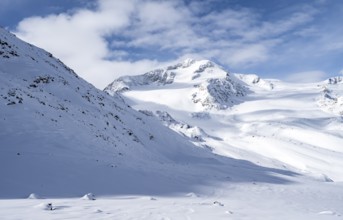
(229,145)
(243,116)
(212,86)
(62,137)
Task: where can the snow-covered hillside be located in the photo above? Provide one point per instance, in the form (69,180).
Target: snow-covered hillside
(243,116)
(62,137)
(70,151)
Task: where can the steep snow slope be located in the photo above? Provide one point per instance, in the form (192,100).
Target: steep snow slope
(268,122)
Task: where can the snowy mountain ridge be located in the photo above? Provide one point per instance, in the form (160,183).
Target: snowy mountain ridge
(213,87)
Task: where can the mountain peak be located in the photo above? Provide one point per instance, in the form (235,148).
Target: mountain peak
(202,82)
(187,62)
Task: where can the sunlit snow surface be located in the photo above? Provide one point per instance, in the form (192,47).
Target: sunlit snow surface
(240,147)
(230,201)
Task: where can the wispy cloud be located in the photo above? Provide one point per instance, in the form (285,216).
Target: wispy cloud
(306,77)
(113,38)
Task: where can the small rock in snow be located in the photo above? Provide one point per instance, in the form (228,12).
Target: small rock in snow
(45,206)
(218,203)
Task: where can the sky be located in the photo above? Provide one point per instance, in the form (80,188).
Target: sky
(292,40)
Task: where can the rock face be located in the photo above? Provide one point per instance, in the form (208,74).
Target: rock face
(218,93)
(331,95)
(157,77)
(335,80)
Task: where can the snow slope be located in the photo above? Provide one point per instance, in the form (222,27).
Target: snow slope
(70,151)
(268,122)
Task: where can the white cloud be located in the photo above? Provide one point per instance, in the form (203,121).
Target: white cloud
(306,77)
(159,15)
(248,55)
(79,38)
(100,42)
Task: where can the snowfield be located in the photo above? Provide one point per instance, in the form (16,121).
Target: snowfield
(268,122)
(197,143)
(229,201)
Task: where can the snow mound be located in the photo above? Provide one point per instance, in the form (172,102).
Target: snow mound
(327,212)
(192,195)
(88,196)
(34,196)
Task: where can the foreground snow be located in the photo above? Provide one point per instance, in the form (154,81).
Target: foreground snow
(229,201)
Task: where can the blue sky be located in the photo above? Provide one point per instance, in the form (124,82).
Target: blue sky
(294,40)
